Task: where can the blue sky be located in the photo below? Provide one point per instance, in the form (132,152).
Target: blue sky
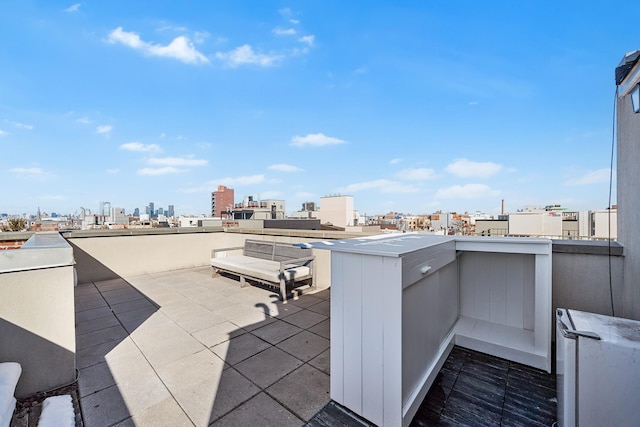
(409,106)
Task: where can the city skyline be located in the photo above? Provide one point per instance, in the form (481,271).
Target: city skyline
(408,107)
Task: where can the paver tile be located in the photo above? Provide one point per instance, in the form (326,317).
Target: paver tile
(267,367)
(191,370)
(305,391)
(113,333)
(261,410)
(210,399)
(305,345)
(322,361)
(276,331)
(165,413)
(104,408)
(240,348)
(305,319)
(218,333)
(323,308)
(323,329)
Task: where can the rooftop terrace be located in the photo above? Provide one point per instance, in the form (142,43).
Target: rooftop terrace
(161,342)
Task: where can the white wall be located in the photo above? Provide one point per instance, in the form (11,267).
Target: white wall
(338,210)
(103,258)
(37,316)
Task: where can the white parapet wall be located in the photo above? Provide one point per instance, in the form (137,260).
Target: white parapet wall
(37,320)
(104,256)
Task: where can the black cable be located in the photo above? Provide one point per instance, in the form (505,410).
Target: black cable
(613,141)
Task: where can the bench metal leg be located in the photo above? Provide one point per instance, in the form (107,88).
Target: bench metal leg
(283,290)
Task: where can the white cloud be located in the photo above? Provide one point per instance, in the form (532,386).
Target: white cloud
(395,161)
(160,171)
(285,11)
(104,129)
(416,174)
(200,36)
(284,31)
(270,195)
(73,8)
(27,171)
(180,48)
(3,133)
(310,39)
(361,70)
(52,197)
(465,168)
(285,168)
(242,180)
(473,102)
(177,161)
(294,21)
(382,185)
(468,191)
(245,55)
(304,195)
(593,177)
(83,120)
(20,125)
(137,146)
(113,171)
(315,139)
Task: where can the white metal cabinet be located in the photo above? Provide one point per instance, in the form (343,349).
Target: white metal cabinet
(598,367)
(400,303)
(393,302)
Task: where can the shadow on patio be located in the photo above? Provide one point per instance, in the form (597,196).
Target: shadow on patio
(182,348)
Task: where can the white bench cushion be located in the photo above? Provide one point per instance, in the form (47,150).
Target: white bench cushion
(57,411)
(9,375)
(259,268)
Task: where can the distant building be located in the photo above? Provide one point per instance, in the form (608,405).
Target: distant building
(542,223)
(222,202)
(555,224)
(118,217)
(605,224)
(308,211)
(259,209)
(338,211)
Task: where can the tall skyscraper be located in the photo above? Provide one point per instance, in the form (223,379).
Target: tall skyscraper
(171,213)
(152,212)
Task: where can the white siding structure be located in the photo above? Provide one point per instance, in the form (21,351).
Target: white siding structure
(399,304)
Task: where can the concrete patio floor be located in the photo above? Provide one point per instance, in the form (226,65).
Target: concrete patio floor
(183,348)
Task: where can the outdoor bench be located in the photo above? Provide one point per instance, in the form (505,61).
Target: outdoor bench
(270,263)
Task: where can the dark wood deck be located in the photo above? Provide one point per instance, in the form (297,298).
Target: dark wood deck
(473,389)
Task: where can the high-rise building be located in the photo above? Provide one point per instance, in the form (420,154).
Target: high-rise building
(152,211)
(105,208)
(171,212)
(221,201)
(136,212)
